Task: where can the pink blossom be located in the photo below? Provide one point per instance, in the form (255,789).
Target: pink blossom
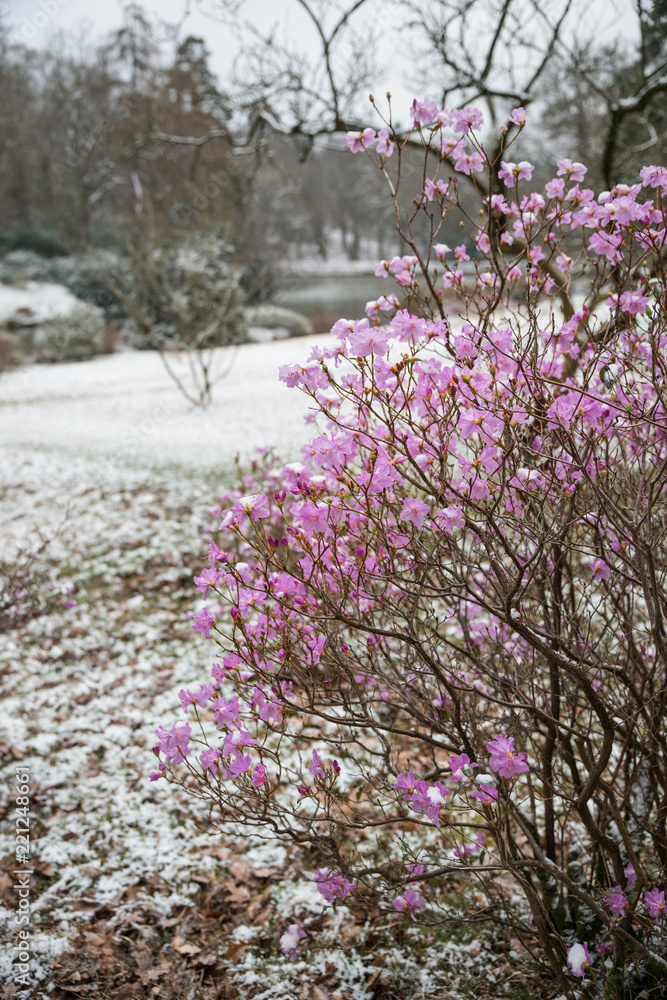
(573,171)
(600,569)
(606,244)
(290,374)
(258,776)
(235,739)
(256,505)
(384,146)
(518,116)
(630,875)
(503,758)
(457,764)
(175,743)
(579,960)
(487,794)
(208,578)
(654,177)
(409,902)
(317,767)
(289,942)
(449,518)
(617,901)
(513,172)
(466,163)
(227,713)
(654,901)
(365,339)
(406,785)
(423,112)
(239,765)
(357,142)
(465,119)
(203,622)
(633,303)
(209,759)
(415,511)
(407,327)
(310,516)
(332,884)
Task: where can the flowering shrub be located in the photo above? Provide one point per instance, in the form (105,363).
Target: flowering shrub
(443,634)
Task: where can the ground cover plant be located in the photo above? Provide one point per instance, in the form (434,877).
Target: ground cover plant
(443,646)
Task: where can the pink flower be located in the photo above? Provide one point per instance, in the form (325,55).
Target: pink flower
(332,884)
(289,942)
(409,902)
(423,112)
(633,303)
(606,244)
(290,374)
(487,794)
(600,569)
(258,776)
(654,901)
(578,960)
(365,339)
(357,142)
(573,171)
(317,767)
(256,505)
(457,764)
(407,327)
(203,622)
(209,759)
(513,172)
(227,713)
(449,518)
(175,743)
(384,146)
(406,785)
(503,758)
(310,516)
(466,163)
(207,579)
(617,901)
(654,177)
(236,739)
(630,875)
(518,116)
(239,765)
(466,118)
(415,511)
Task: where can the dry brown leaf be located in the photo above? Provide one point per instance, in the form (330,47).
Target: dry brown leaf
(238,894)
(236,951)
(188,949)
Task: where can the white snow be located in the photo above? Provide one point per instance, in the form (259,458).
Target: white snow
(44,299)
(125,408)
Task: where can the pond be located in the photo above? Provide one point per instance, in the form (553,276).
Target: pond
(323,296)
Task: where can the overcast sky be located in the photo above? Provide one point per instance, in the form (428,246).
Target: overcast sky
(36,21)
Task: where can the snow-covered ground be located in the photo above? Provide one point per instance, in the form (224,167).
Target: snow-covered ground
(125,408)
(108,478)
